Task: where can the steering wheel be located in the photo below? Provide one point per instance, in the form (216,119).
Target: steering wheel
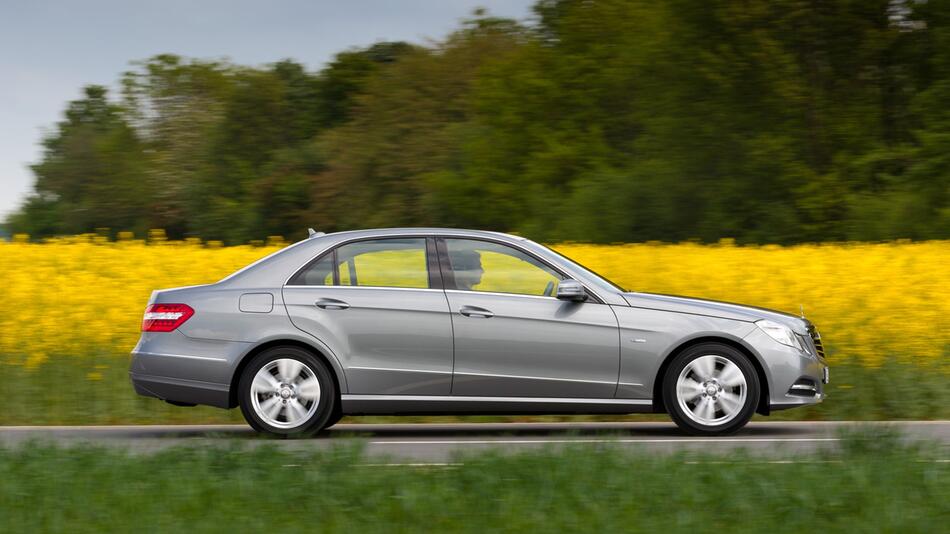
(549,289)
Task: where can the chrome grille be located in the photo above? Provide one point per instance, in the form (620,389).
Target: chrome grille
(816,340)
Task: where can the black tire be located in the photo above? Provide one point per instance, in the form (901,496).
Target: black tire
(687,422)
(334,419)
(326,405)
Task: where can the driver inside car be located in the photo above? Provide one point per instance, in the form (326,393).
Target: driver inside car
(467,267)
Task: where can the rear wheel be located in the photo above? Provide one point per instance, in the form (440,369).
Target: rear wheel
(711,389)
(287,391)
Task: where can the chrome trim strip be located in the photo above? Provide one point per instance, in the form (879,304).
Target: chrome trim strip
(388,369)
(206,358)
(628,384)
(492,375)
(473,292)
(369,287)
(534,400)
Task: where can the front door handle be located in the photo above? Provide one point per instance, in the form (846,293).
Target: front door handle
(331,304)
(475,311)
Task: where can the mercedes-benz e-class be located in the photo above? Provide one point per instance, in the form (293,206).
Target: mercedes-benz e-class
(442,321)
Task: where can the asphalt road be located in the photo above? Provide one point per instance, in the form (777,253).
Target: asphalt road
(439,443)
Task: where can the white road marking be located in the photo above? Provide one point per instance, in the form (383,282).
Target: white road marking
(530,441)
(125,427)
(700,462)
(414,464)
(688,462)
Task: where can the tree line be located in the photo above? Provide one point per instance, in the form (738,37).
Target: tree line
(600,120)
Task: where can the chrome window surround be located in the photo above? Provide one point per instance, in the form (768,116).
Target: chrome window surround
(330,248)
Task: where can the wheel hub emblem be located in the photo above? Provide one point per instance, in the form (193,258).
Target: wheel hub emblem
(711,389)
(285,393)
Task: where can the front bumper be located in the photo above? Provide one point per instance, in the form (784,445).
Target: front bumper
(795,378)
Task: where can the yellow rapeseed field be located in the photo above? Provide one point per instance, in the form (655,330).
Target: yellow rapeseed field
(74,297)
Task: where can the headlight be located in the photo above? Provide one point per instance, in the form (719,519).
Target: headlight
(780,333)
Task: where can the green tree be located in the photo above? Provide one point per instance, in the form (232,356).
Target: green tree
(177,106)
(92,173)
(407,130)
(601,120)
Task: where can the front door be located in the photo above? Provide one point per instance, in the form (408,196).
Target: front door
(371,302)
(513,338)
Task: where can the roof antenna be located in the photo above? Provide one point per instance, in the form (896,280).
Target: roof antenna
(313,233)
(802,307)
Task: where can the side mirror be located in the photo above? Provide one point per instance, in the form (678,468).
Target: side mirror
(571,290)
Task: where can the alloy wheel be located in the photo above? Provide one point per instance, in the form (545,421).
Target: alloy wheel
(711,390)
(285,393)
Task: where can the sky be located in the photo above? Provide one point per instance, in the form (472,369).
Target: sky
(50,50)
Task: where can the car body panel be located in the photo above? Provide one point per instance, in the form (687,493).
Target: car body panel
(389,340)
(221,317)
(713,308)
(533,347)
(784,366)
(173,354)
(648,336)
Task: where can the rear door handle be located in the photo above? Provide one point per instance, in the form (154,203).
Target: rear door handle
(331,304)
(475,311)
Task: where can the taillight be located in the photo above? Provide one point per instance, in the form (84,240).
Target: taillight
(165,317)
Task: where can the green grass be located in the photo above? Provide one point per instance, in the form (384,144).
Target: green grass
(60,392)
(871,484)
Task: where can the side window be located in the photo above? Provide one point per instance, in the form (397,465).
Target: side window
(319,274)
(384,262)
(486,266)
(378,262)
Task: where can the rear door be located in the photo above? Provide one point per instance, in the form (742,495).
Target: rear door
(381,309)
(513,338)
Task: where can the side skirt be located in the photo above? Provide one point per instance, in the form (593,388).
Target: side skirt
(440,405)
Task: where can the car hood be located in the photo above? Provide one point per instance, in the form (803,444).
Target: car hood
(715,308)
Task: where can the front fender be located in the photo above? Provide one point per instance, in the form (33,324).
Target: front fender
(649,337)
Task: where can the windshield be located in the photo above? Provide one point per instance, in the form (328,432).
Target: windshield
(591,272)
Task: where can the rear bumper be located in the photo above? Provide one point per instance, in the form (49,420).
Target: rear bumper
(181,390)
(174,367)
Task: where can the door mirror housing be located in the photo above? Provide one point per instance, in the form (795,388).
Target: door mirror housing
(571,290)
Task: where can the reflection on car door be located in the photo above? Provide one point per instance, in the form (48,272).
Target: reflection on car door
(372,303)
(514,340)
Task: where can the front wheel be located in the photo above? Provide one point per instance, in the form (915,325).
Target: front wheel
(711,389)
(287,391)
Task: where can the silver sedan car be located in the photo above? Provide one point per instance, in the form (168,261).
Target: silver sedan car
(443,321)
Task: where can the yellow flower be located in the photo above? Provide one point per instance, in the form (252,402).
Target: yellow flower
(71,298)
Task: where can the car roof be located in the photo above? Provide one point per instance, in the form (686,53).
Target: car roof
(372,232)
